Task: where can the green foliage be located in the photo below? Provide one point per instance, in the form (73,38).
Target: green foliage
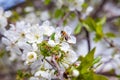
(15,16)
(44,48)
(95,26)
(58,13)
(85,5)
(78,29)
(52,37)
(110,35)
(87,62)
(85,68)
(96,60)
(46,2)
(101,21)
(2,52)
(90,24)
(47,50)
(22,75)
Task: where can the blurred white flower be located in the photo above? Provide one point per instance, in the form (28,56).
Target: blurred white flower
(7,14)
(64,46)
(43,74)
(29,9)
(35,34)
(75,73)
(31,57)
(44,15)
(3,19)
(76,5)
(71,56)
(34,78)
(47,29)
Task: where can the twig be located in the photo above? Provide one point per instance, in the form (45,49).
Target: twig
(112,18)
(62,19)
(99,8)
(51,64)
(87,38)
(86,31)
(108,74)
(111,44)
(60,74)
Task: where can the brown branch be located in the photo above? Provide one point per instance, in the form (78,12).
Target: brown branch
(87,38)
(60,74)
(95,14)
(109,42)
(112,18)
(107,74)
(63,19)
(86,31)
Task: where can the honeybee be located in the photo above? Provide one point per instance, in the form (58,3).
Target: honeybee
(64,35)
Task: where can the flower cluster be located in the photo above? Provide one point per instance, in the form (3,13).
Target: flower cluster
(45,48)
(3,19)
(72,5)
(76,5)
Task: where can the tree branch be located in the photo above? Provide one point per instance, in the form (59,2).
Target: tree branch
(63,19)
(112,18)
(87,38)
(60,74)
(95,14)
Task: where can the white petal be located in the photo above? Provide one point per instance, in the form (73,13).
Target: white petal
(44,74)
(65,46)
(7,13)
(51,43)
(72,39)
(35,48)
(34,78)
(68,30)
(1,11)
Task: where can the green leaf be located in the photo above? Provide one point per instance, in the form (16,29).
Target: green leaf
(58,13)
(96,60)
(22,75)
(97,37)
(110,35)
(46,2)
(99,30)
(2,52)
(52,37)
(87,62)
(90,24)
(99,77)
(85,5)
(101,21)
(78,29)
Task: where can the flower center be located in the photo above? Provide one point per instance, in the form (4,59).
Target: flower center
(30,56)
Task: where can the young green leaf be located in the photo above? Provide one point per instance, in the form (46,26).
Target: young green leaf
(78,29)
(96,60)
(110,35)
(87,62)
(52,37)
(58,13)
(46,2)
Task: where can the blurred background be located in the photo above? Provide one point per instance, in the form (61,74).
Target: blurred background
(37,11)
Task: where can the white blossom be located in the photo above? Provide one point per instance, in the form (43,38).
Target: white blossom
(75,73)
(47,29)
(44,74)
(35,34)
(44,15)
(31,57)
